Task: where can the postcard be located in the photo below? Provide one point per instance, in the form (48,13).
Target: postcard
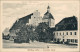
(40,26)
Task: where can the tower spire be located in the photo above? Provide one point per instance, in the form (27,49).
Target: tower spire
(48,8)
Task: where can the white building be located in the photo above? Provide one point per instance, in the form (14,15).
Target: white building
(66,31)
(66,36)
(35,18)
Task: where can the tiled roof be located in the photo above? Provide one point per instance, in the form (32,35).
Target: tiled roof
(22,21)
(69,23)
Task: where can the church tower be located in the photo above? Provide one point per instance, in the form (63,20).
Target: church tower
(48,18)
(48,9)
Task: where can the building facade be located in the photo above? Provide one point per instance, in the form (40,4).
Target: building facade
(70,37)
(48,18)
(66,31)
(35,18)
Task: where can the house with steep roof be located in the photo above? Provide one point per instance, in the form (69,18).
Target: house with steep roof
(66,31)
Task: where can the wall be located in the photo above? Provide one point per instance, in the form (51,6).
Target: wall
(66,35)
(35,18)
(52,24)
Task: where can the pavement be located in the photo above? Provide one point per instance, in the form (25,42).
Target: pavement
(11,44)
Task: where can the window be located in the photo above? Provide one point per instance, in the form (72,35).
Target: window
(63,33)
(74,33)
(71,40)
(54,39)
(67,33)
(70,33)
(57,33)
(76,41)
(68,40)
(60,33)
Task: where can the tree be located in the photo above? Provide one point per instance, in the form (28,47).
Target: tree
(44,32)
(26,34)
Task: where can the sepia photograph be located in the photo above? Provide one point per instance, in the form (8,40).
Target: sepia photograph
(40,25)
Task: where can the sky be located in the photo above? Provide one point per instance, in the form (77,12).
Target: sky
(12,11)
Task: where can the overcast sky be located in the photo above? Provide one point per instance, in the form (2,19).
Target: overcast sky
(11,11)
